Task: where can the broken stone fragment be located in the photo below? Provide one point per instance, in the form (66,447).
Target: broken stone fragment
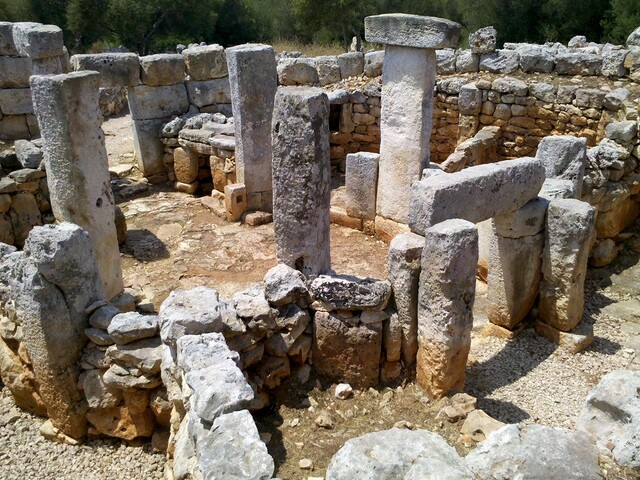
(345,292)
(129,327)
(144,355)
(283,285)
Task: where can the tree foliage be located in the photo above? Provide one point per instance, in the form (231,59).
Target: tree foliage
(155,25)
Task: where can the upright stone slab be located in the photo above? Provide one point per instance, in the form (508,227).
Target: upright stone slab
(564,158)
(302,179)
(77,164)
(403,267)
(408,78)
(445,303)
(254,81)
(361,184)
(570,233)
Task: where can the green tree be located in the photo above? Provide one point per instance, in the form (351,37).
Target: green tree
(622,19)
(563,19)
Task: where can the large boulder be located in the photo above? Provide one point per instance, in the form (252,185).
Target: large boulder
(398,455)
(612,415)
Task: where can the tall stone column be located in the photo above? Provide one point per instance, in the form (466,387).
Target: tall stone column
(77,164)
(408,80)
(302,179)
(445,305)
(254,80)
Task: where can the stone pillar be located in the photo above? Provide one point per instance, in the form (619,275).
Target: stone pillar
(403,267)
(77,164)
(254,81)
(570,233)
(445,304)
(302,179)
(408,79)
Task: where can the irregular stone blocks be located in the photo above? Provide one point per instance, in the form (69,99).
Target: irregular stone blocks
(301,179)
(77,164)
(253,82)
(162,69)
(38,41)
(445,303)
(564,158)
(7,45)
(345,292)
(346,353)
(15,72)
(148,103)
(570,233)
(412,31)
(476,193)
(205,62)
(403,267)
(116,69)
(16,101)
(361,184)
(208,92)
(351,64)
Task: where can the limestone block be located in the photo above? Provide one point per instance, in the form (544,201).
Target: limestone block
(475,193)
(20,379)
(7,45)
(361,184)
(405,124)
(578,63)
(209,92)
(147,103)
(346,292)
(614,100)
(185,165)
(445,302)
(235,201)
(149,150)
(283,285)
(483,41)
(526,221)
(536,58)
(446,59)
(301,179)
(48,66)
(621,132)
(297,71)
(130,327)
(564,158)
(29,155)
(569,235)
(557,188)
(25,215)
(470,100)
(633,40)
(373,63)
(205,62)
(351,64)
(403,267)
(543,91)
(328,70)
(500,61)
(412,31)
(162,69)
(78,171)
(16,101)
(15,72)
(467,62)
(37,41)
(116,69)
(253,83)
(345,353)
(514,278)
(613,63)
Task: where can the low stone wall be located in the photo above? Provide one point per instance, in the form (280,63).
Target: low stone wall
(26,49)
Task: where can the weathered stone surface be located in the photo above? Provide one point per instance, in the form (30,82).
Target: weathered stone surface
(569,235)
(633,40)
(536,58)
(603,253)
(470,100)
(478,425)
(573,341)
(403,267)
(500,61)
(621,132)
(301,179)
(526,221)
(162,69)
(98,336)
(29,155)
(128,327)
(297,71)
(24,215)
(209,92)
(7,45)
(37,41)
(21,381)
(97,393)
(16,101)
(253,307)
(102,316)
(77,164)
(613,63)
(283,285)
(446,59)
(445,302)
(232,449)
(15,72)
(611,414)
(564,157)
(405,124)
(412,31)
(147,103)
(351,64)
(555,188)
(345,353)
(578,63)
(121,422)
(328,70)
(116,69)
(124,379)
(398,454)
(142,356)
(535,451)
(514,277)
(253,82)
(346,292)
(483,41)
(373,63)
(205,62)
(467,62)
(52,283)
(149,150)
(361,184)
(476,193)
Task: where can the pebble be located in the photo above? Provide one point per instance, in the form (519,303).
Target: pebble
(305,464)
(343,391)
(324,420)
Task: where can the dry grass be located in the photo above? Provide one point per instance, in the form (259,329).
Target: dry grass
(310,50)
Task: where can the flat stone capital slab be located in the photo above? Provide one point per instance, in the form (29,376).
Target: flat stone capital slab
(412,31)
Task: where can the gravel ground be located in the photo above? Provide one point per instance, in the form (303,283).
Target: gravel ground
(25,454)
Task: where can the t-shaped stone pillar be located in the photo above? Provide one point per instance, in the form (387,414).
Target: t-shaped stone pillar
(408,79)
(77,164)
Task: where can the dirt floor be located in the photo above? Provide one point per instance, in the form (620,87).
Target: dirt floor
(174,242)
